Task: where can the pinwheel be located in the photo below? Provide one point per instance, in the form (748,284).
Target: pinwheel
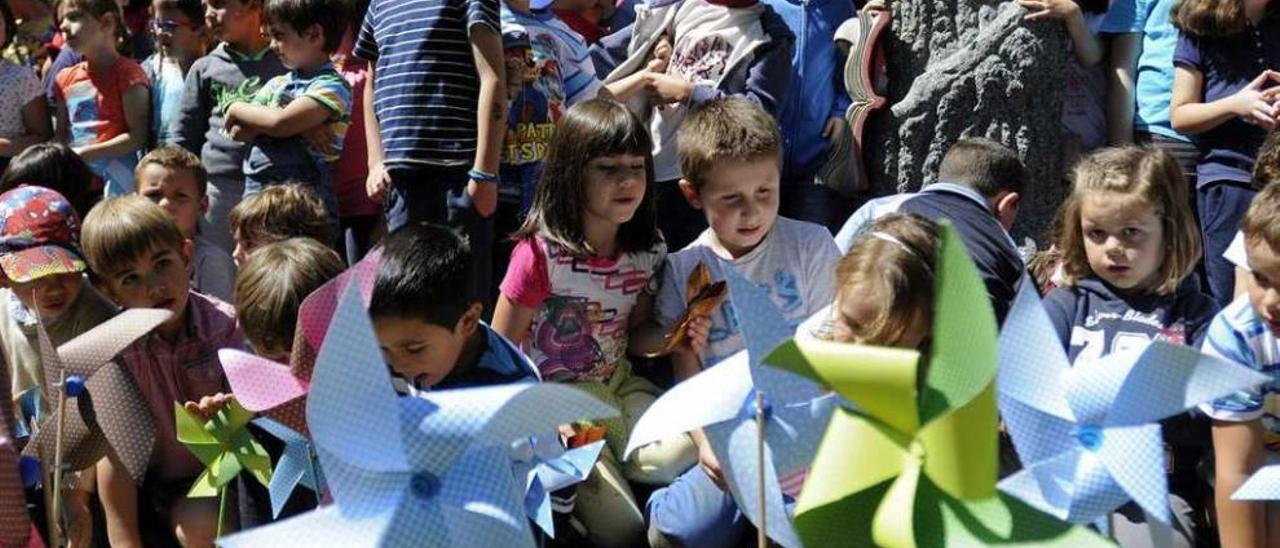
(434,470)
(722,401)
(1088,434)
(913,463)
(297,465)
(543,465)
(15,526)
(225,447)
(1262,485)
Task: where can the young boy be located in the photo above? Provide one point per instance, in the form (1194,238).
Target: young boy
(277,213)
(181,38)
(714,49)
(304,33)
(426,312)
(141,258)
(174,178)
(235,69)
(730,154)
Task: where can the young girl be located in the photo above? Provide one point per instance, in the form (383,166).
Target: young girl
(24,116)
(578,297)
(103,101)
(1224,91)
(180,37)
(1128,244)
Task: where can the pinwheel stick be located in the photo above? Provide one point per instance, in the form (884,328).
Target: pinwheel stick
(762,535)
(222,510)
(55,498)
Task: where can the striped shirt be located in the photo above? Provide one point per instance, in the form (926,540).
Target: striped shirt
(1237,334)
(425,81)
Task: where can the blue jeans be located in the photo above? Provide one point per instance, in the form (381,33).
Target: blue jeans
(438,194)
(1222,205)
(693,511)
(281,161)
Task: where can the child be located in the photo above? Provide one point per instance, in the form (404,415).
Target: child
(56,167)
(1245,429)
(358,215)
(578,294)
(715,48)
(277,213)
(1084,105)
(173,177)
(181,38)
(234,70)
(304,33)
(24,118)
(730,154)
(437,115)
(1225,92)
(426,312)
(103,101)
(1128,244)
(140,259)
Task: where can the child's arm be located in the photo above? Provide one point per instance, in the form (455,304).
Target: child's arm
(626,87)
(491,115)
(119,497)
(1121,101)
(1237,448)
(35,118)
(1190,115)
(137,115)
(512,319)
(1085,45)
(378,180)
(296,118)
(768,75)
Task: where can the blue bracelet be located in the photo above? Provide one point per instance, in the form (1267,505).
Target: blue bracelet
(482,176)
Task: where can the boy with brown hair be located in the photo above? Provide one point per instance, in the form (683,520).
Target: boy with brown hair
(140,259)
(173,178)
(271,286)
(730,154)
(277,213)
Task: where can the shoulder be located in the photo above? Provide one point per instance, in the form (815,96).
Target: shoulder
(215,320)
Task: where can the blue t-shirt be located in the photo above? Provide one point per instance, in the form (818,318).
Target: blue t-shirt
(1238,335)
(1227,152)
(426,88)
(1154,78)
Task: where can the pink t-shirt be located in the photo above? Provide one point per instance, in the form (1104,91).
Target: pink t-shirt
(579,332)
(351,169)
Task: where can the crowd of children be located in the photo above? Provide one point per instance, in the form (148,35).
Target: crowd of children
(540,178)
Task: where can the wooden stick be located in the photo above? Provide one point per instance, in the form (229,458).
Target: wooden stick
(55,509)
(762,531)
(222,510)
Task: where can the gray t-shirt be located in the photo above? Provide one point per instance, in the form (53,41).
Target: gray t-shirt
(213,271)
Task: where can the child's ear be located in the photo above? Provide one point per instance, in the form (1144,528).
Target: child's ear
(690,193)
(470,320)
(204,205)
(1007,209)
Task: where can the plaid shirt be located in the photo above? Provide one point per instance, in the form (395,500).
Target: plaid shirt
(182,371)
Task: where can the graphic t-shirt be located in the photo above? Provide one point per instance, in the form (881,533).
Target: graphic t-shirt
(579,332)
(1237,334)
(95,114)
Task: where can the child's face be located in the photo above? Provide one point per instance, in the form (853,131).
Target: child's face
(740,200)
(51,295)
(1123,241)
(176,34)
(615,188)
(298,49)
(421,352)
(82,30)
(1264,282)
(246,243)
(158,279)
(853,314)
(177,191)
(232,21)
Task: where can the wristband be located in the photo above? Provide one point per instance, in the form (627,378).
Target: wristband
(482,176)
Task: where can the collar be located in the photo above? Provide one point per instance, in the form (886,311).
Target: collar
(238,56)
(962,190)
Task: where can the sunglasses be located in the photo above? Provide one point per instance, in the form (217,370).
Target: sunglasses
(167,25)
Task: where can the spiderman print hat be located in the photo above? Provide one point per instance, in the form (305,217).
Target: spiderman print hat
(39,234)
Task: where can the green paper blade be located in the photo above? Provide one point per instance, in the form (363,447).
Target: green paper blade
(203,487)
(191,430)
(894,524)
(880,381)
(225,470)
(999,520)
(961,448)
(855,454)
(962,361)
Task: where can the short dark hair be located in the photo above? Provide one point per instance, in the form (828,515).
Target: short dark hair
(54,166)
(271,285)
(731,129)
(174,157)
(983,165)
(331,15)
(424,273)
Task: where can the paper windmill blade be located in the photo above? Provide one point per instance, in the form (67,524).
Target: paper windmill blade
(721,401)
(223,445)
(434,470)
(1262,485)
(109,410)
(297,465)
(544,466)
(1088,435)
(916,465)
(15,526)
(278,390)
(701,299)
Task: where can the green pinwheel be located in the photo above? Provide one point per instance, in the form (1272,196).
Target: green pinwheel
(225,447)
(914,462)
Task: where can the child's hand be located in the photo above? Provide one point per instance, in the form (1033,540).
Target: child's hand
(208,406)
(834,126)
(876,5)
(1257,106)
(1049,9)
(241,134)
(376,183)
(484,197)
(697,334)
(662,49)
(669,89)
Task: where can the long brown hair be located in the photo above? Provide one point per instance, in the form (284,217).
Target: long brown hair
(1209,19)
(589,130)
(891,264)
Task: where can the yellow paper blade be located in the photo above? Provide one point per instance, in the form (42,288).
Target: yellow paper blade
(880,381)
(855,454)
(960,449)
(894,524)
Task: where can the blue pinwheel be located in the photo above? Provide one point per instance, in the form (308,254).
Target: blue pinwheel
(433,470)
(544,466)
(1262,485)
(1088,435)
(297,465)
(722,401)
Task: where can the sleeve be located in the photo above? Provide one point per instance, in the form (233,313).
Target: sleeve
(1060,306)
(580,80)
(1125,17)
(483,13)
(670,302)
(264,95)
(611,50)
(768,74)
(333,92)
(134,76)
(188,128)
(1188,53)
(821,272)
(366,46)
(527,282)
(1223,341)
